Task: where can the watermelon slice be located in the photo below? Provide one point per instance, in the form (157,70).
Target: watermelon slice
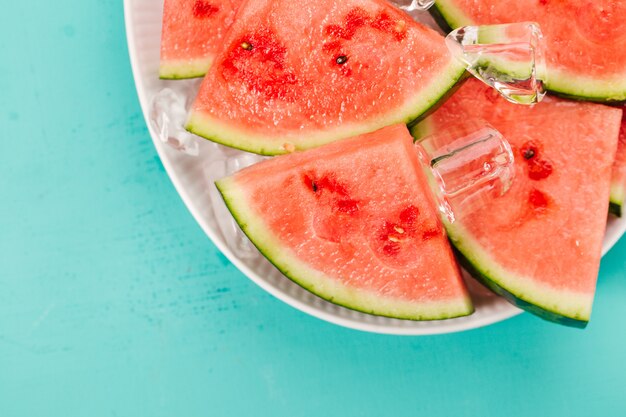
(585,39)
(193,30)
(618,182)
(540,244)
(293,77)
(355,223)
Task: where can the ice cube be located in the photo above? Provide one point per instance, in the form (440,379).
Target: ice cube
(509,57)
(468,162)
(168,114)
(231,162)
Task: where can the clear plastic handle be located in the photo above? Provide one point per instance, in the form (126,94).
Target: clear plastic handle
(509,57)
(466,163)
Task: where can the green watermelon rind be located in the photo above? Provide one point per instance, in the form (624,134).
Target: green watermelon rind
(422,129)
(184,69)
(455,87)
(563,307)
(565,85)
(439,19)
(418,107)
(319,284)
(587,88)
(615,208)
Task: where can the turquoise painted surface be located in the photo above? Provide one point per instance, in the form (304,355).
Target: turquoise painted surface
(114,303)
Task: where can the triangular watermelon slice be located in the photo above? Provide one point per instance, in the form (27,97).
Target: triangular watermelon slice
(193,31)
(585,39)
(618,182)
(355,223)
(296,75)
(540,244)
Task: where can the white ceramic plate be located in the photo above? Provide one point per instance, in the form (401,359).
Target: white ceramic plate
(190,175)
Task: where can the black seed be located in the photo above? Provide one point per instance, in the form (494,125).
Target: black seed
(314,186)
(247,46)
(529,153)
(341,59)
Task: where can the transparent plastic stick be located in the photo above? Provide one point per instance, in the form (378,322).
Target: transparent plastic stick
(467,163)
(509,57)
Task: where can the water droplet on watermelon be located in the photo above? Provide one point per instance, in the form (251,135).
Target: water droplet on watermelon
(508,57)
(412,5)
(168,114)
(230,162)
(466,163)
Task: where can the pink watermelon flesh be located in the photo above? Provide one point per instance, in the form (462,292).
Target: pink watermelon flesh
(618,182)
(540,244)
(585,39)
(353,222)
(193,30)
(295,77)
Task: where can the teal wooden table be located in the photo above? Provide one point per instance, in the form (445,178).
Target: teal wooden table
(114,303)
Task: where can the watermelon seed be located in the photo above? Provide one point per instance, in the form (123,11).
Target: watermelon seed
(309,182)
(394,239)
(529,153)
(529,150)
(398,229)
(247,46)
(341,59)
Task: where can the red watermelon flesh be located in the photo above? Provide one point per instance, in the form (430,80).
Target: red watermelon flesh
(585,39)
(193,31)
(540,244)
(355,223)
(618,182)
(294,76)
